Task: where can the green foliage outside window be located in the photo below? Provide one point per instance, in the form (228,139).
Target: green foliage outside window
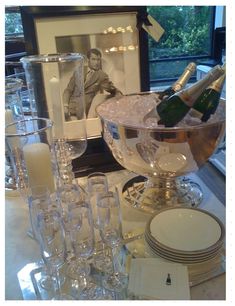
(187,31)
(13,24)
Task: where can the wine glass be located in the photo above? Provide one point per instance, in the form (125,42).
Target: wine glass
(82,239)
(52,244)
(109,214)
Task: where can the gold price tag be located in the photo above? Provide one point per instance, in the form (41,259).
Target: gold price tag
(155,30)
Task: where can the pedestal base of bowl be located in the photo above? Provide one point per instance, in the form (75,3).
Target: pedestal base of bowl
(150,195)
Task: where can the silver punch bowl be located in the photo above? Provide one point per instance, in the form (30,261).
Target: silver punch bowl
(162,157)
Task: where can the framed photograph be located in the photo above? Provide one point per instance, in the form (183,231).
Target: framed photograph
(107,36)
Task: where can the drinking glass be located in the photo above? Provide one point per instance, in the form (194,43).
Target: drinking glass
(68,194)
(13,103)
(39,201)
(52,244)
(82,239)
(97,183)
(13,112)
(109,214)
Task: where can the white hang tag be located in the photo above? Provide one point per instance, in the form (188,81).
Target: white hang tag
(155,30)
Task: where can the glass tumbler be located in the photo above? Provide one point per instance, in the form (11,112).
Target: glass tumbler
(56,91)
(31,148)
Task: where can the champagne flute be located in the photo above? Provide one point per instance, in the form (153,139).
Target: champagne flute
(40,201)
(82,239)
(68,194)
(109,214)
(97,183)
(52,244)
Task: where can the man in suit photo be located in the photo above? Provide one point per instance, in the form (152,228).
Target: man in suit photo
(95,81)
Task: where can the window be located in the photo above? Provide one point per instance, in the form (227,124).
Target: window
(14,41)
(13,24)
(188,37)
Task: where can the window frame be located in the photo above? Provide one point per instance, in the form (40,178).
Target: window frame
(168,81)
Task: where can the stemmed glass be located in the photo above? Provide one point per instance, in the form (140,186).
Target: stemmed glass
(97,183)
(82,239)
(39,201)
(51,73)
(68,194)
(52,244)
(109,215)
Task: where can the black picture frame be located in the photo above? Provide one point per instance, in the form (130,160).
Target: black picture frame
(97,156)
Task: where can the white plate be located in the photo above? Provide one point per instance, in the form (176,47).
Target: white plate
(181,258)
(186,255)
(185,229)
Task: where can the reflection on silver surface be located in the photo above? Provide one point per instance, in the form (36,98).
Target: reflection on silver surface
(160,154)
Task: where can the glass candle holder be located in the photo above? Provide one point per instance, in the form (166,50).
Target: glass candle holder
(56,91)
(31,148)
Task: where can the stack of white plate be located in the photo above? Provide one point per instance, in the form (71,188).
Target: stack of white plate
(185,235)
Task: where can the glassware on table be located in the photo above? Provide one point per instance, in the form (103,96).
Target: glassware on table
(97,183)
(13,112)
(31,147)
(39,201)
(111,233)
(13,104)
(82,239)
(52,244)
(51,96)
(68,194)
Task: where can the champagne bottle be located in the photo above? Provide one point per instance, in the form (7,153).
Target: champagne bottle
(180,83)
(208,101)
(178,105)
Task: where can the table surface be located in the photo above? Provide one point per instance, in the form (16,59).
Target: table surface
(21,250)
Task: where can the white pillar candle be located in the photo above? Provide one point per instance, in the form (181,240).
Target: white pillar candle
(38,164)
(56,107)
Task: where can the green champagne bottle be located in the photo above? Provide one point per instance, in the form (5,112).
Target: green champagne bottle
(180,83)
(178,105)
(177,86)
(208,101)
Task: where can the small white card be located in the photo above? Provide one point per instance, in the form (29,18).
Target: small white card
(155,30)
(148,277)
